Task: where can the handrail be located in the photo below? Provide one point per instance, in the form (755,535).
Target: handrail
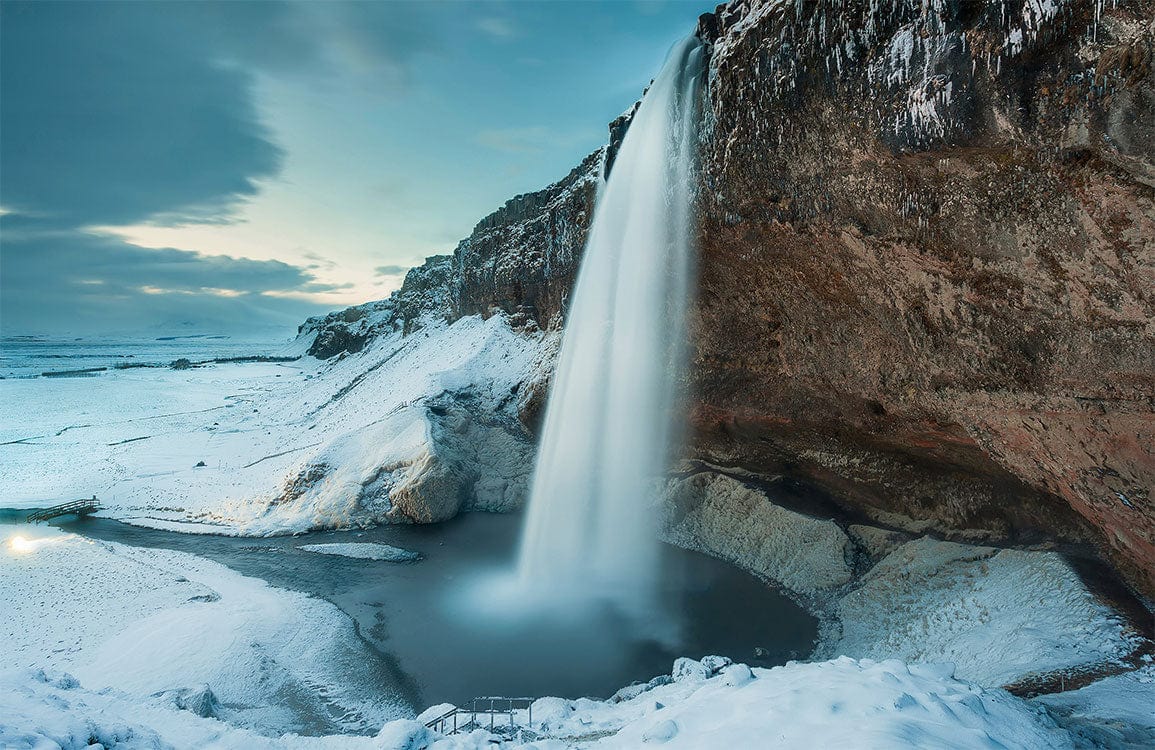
(510,709)
(87,505)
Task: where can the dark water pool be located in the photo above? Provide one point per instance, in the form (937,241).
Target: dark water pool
(434,650)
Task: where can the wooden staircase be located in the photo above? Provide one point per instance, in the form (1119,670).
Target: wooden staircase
(497,714)
(77,507)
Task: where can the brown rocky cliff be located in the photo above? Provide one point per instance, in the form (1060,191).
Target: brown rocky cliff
(928,264)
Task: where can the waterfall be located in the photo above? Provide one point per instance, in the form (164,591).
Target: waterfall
(608,431)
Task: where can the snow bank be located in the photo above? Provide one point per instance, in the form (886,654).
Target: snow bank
(49,710)
(364,551)
(412,428)
(999,615)
(152,640)
(840,703)
(144,621)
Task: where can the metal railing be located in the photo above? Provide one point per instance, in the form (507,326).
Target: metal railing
(79,507)
(497,714)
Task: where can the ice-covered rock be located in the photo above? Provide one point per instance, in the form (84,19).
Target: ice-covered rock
(198,699)
(686,668)
(551,711)
(719,515)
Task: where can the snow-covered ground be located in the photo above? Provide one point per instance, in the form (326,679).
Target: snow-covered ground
(158,625)
(708,705)
(139,648)
(134,644)
(1117,711)
(999,615)
(272,448)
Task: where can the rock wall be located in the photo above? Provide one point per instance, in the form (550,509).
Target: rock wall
(927,265)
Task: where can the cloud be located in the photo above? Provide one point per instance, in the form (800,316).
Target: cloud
(391,270)
(121,113)
(498,28)
(76,282)
(377,39)
(113,114)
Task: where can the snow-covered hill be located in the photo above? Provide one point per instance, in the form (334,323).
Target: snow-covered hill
(411,428)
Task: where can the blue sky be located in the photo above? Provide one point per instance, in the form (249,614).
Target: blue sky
(220,166)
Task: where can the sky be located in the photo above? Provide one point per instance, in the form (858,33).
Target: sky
(233,167)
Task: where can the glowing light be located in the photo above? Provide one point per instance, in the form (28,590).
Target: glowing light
(21,546)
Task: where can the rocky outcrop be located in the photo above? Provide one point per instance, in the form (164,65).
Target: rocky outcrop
(520,260)
(422,463)
(927,264)
(927,272)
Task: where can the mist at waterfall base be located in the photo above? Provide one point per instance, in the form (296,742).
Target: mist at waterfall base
(590,555)
(607,435)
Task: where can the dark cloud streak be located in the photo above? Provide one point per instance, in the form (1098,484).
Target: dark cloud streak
(112,115)
(82,282)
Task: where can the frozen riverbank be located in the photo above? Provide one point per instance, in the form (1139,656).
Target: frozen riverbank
(840,703)
(425,617)
(134,655)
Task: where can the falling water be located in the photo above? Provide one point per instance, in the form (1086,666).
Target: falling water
(608,428)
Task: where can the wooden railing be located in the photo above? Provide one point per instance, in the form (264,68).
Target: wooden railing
(79,507)
(497,714)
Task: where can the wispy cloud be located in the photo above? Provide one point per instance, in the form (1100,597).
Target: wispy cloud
(391,270)
(497,28)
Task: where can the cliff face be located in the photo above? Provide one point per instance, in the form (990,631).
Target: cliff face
(927,273)
(521,260)
(928,263)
